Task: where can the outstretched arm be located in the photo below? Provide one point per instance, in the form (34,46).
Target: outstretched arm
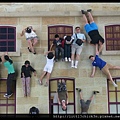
(93,71)
(58,98)
(2,57)
(23,32)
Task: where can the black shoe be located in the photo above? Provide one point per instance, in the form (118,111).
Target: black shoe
(29,49)
(94,92)
(56,60)
(34,53)
(89,10)
(83,12)
(79,90)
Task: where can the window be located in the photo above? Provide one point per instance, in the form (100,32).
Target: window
(7,105)
(54,107)
(7,39)
(112,40)
(114,97)
(61,30)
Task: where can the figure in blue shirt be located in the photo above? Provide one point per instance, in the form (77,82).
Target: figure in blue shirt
(103,66)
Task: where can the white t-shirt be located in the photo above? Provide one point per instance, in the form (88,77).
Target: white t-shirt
(49,65)
(29,35)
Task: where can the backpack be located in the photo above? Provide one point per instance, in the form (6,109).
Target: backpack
(34,110)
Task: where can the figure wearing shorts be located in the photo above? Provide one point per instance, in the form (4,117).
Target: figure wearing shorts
(47,70)
(92,30)
(85,104)
(76,49)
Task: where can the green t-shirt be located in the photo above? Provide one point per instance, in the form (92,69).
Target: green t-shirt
(9,67)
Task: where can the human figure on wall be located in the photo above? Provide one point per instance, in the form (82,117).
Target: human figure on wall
(103,66)
(8,63)
(67,47)
(91,29)
(62,94)
(26,70)
(85,104)
(48,68)
(75,48)
(31,38)
(57,42)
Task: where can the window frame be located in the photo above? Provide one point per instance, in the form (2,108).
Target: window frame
(111,52)
(17,43)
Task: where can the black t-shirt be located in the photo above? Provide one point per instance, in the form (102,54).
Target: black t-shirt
(95,37)
(27,70)
(58,43)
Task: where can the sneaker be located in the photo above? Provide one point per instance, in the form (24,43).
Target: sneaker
(40,82)
(56,60)
(72,66)
(115,85)
(76,67)
(29,49)
(7,96)
(83,12)
(79,90)
(66,59)
(69,59)
(89,10)
(94,92)
(62,59)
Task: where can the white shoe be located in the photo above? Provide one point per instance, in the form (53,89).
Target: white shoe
(115,85)
(72,66)
(66,59)
(69,59)
(76,67)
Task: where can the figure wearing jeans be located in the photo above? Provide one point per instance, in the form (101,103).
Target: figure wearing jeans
(58,47)
(67,48)
(8,63)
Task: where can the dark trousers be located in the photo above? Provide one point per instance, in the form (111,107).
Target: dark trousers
(67,51)
(10,83)
(57,51)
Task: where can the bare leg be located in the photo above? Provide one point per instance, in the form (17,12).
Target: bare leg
(30,45)
(85,18)
(81,96)
(91,98)
(100,48)
(42,76)
(90,17)
(47,79)
(110,77)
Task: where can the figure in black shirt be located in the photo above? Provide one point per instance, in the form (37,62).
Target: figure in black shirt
(25,76)
(58,47)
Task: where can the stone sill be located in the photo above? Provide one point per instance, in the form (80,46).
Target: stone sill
(11,53)
(110,52)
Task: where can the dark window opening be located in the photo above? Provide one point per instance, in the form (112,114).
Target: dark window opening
(7,39)
(112,37)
